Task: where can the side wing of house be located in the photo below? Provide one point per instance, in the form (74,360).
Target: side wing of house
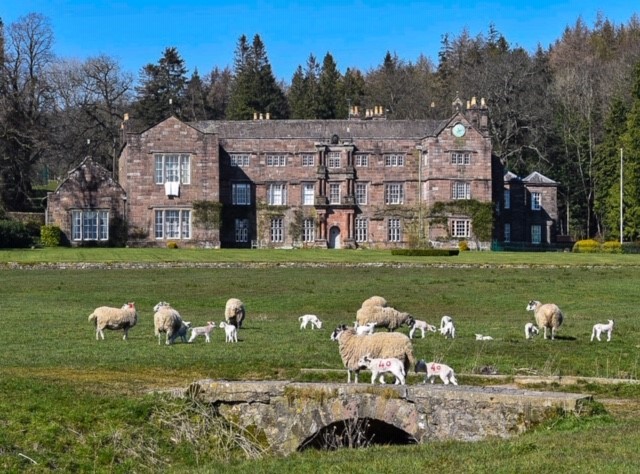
(88,206)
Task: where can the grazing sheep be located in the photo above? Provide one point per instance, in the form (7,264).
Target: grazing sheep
(374,301)
(377,345)
(167,320)
(202,331)
(106,317)
(599,328)
(383,316)
(547,316)
(381,366)
(422,325)
(445,319)
(310,319)
(448,330)
(530,330)
(480,337)
(365,330)
(234,312)
(433,369)
(230,331)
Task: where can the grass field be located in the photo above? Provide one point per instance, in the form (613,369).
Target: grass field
(71,403)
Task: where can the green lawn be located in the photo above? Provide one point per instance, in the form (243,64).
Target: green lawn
(72,403)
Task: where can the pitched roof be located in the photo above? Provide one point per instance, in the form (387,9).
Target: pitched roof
(508,176)
(320,129)
(537,178)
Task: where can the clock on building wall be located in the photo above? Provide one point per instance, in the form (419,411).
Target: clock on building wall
(458,130)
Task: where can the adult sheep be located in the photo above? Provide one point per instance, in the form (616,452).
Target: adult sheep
(383,317)
(234,312)
(167,320)
(547,316)
(106,317)
(377,345)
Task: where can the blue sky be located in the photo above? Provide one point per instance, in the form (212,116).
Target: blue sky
(358,33)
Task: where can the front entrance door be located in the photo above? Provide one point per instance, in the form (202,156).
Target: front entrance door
(334,238)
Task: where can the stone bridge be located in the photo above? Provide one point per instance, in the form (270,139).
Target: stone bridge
(294,416)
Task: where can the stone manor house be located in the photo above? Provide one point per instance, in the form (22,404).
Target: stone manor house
(363,182)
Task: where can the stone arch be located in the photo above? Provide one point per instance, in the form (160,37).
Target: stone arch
(356,433)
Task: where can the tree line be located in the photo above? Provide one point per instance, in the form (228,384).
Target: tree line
(570,111)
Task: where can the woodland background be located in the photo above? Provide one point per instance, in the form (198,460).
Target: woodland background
(570,111)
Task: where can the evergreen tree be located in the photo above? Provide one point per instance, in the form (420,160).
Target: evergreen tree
(331,100)
(194,106)
(162,90)
(297,95)
(254,88)
(354,85)
(631,146)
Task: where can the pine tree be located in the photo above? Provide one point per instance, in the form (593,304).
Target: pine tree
(331,100)
(162,90)
(631,147)
(194,107)
(254,88)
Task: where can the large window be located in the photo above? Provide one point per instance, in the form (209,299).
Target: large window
(334,193)
(507,199)
(277,194)
(536,234)
(242,230)
(308,230)
(460,158)
(277,229)
(461,228)
(173,168)
(241,194)
(394,193)
(308,159)
(394,159)
(239,159)
(308,194)
(276,160)
(89,225)
(507,232)
(461,190)
(362,229)
(394,230)
(361,193)
(333,159)
(173,224)
(535,201)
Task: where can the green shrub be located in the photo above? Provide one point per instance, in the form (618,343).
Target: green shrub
(463,246)
(586,246)
(612,246)
(50,235)
(14,234)
(631,247)
(172,245)
(425,252)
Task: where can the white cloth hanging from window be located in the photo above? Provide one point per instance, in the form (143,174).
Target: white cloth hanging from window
(172,188)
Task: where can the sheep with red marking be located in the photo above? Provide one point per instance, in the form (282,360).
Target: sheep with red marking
(380,367)
(436,369)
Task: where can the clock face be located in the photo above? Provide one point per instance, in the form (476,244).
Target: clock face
(458,130)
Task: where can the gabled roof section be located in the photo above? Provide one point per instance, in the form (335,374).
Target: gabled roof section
(457,117)
(509,176)
(88,167)
(537,178)
(319,129)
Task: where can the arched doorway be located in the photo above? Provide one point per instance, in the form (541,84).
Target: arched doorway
(335,242)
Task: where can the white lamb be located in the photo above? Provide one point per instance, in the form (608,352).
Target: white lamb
(230,331)
(547,315)
(382,366)
(436,369)
(365,329)
(422,326)
(106,317)
(480,337)
(448,330)
(445,319)
(530,330)
(202,331)
(310,319)
(599,328)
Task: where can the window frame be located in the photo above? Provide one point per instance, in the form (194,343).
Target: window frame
(308,194)
(507,232)
(275,190)
(334,159)
(460,158)
(181,224)
(394,229)
(276,229)
(394,194)
(394,160)
(361,230)
(240,160)
(536,234)
(362,194)
(276,160)
(308,159)
(181,169)
(461,228)
(308,230)
(241,194)
(241,230)
(335,193)
(90,225)
(536,201)
(460,190)
(361,160)
(507,198)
